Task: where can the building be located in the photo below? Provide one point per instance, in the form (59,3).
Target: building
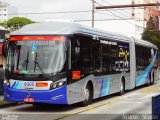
(143,14)
(154,12)
(7,11)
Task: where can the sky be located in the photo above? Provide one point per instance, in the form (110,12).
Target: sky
(40,6)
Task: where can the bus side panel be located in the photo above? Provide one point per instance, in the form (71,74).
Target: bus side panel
(75,90)
(102,86)
(109,84)
(105,85)
(144,76)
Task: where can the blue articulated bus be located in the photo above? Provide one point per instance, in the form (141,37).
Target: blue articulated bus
(67,63)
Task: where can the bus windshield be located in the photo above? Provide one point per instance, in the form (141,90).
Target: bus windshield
(36,57)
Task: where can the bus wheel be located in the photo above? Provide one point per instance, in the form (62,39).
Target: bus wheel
(88,95)
(122,87)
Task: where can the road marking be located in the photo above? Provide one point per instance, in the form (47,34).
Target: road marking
(130,102)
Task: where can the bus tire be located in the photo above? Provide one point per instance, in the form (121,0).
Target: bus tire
(88,95)
(122,86)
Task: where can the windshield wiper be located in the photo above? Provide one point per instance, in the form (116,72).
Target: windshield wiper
(40,68)
(59,64)
(25,62)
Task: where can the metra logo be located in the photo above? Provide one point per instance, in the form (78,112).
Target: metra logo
(28,83)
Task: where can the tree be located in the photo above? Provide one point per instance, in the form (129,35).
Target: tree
(151,33)
(16,23)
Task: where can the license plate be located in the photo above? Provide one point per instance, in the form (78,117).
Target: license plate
(29,100)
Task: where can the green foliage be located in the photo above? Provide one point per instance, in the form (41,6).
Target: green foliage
(16,23)
(151,34)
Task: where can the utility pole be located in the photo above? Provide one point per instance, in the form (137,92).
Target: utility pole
(133,10)
(93,10)
(127,6)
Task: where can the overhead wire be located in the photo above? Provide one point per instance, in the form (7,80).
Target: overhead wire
(63,12)
(117,15)
(121,9)
(102,19)
(117,11)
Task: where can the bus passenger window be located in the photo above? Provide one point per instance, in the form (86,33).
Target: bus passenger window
(75,54)
(86,44)
(96,57)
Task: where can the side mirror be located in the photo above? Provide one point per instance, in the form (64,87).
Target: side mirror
(5,48)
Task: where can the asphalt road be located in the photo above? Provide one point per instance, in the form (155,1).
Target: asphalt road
(134,104)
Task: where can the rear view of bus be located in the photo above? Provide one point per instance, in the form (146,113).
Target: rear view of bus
(36,69)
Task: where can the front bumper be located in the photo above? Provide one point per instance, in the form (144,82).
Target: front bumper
(55,96)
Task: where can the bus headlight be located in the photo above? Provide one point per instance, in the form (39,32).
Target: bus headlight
(59,83)
(6,82)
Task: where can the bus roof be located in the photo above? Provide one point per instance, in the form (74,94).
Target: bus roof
(65,28)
